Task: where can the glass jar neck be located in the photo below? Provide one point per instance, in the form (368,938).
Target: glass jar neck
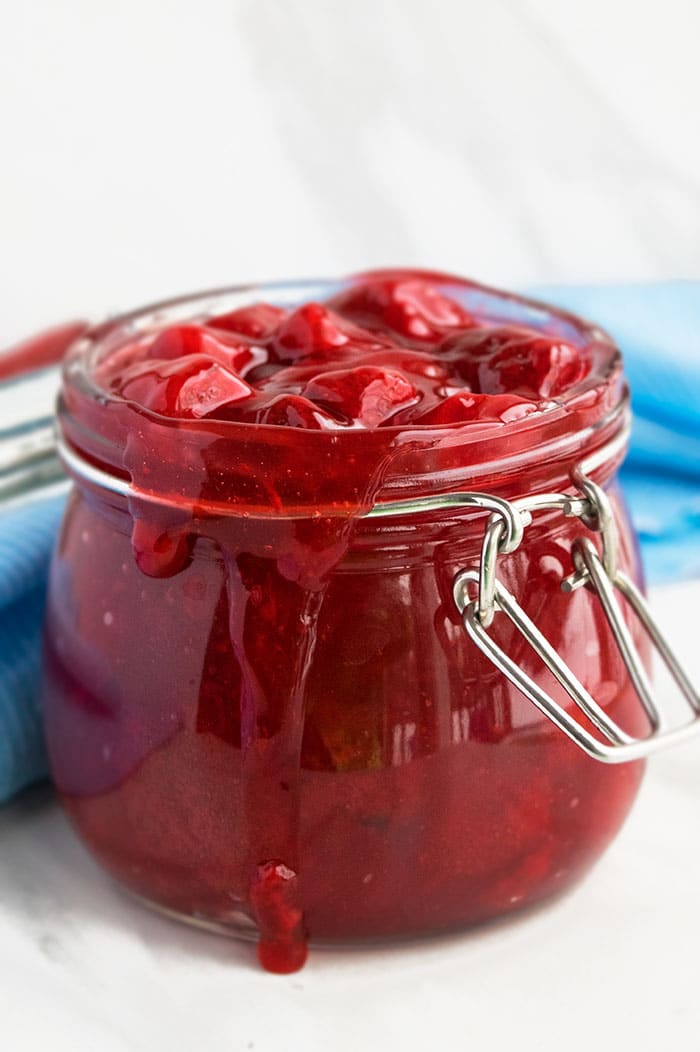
(213,467)
(256,475)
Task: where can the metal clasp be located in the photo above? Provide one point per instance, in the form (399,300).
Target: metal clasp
(479,595)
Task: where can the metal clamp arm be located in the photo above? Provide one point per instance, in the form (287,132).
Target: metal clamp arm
(601,575)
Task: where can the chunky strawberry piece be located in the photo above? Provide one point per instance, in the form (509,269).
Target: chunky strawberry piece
(209,390)
(313,330)
(257,322)
(367,395)
(156,386)
(183,341)
(413,308)
(515,360)
(464,407)
(192,387)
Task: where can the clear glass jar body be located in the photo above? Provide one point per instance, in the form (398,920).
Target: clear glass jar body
(239,694)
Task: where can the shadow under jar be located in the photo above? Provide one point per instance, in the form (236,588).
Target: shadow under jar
(262,709)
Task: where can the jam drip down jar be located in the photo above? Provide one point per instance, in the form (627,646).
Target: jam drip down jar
(344,614)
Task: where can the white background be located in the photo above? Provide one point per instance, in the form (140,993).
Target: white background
(150,147)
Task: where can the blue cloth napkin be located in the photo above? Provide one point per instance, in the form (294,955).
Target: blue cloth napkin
(27,536)
(658,329)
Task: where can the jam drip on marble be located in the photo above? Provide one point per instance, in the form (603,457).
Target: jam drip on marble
(275,900)
(274,613)
(273,632)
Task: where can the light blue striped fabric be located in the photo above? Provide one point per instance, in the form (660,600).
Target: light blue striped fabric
(27,537)
(658,328)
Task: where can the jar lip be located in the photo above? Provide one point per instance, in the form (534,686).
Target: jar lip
(582,417)
(602,461)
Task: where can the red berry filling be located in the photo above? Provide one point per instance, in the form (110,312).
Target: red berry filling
(366,395)
(386,351)
(463,407)
(257,322)
(411,308)
(515,360)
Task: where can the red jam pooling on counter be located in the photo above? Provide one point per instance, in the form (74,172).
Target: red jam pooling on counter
(284,726)
(387,352)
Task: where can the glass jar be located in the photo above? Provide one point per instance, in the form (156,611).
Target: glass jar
(263,712)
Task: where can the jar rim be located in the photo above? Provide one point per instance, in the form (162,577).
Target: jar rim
(102,425)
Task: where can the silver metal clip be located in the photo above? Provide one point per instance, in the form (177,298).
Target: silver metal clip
(479,595)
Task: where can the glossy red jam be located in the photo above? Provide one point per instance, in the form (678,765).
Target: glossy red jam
(262,710)
(388,351)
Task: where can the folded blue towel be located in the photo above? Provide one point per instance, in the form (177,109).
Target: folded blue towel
(658,329)
(27,536)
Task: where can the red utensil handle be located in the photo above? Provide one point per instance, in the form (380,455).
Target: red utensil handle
(37,352)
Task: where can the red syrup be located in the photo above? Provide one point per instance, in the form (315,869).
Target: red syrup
(261,708)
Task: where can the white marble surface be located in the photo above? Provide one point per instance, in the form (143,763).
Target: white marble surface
(615,964)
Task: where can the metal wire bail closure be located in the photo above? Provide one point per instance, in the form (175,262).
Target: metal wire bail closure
(601,574)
